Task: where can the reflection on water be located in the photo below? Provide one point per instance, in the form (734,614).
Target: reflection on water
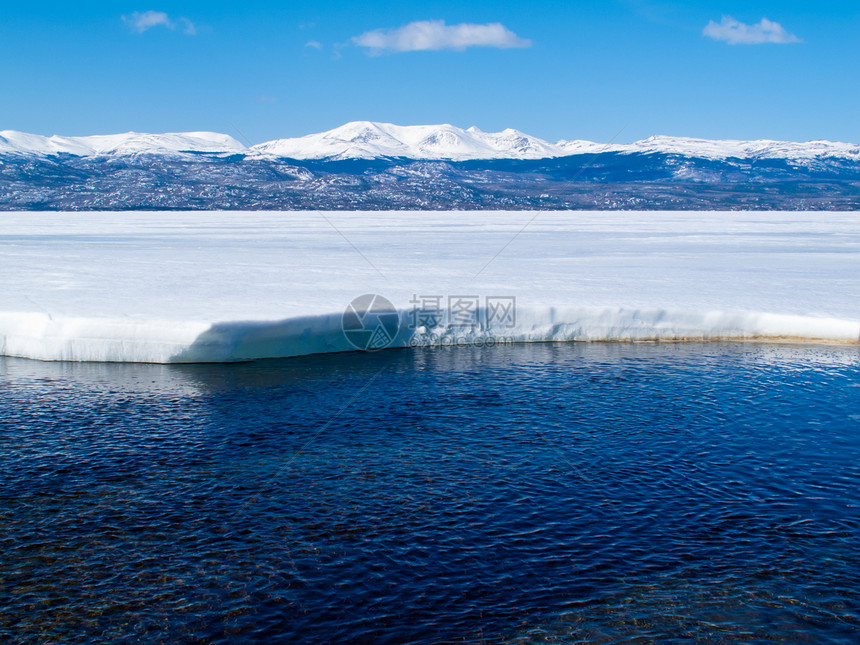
(554,493)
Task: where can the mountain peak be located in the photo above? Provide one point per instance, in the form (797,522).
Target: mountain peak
(368,139)
(128,143)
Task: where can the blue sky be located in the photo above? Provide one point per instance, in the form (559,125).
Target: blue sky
(553,69)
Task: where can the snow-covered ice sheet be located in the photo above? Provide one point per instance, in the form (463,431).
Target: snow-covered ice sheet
(181,287)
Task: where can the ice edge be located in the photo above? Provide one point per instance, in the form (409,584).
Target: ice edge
(51,338)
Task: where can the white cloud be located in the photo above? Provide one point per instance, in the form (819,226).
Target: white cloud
(140,22)
(435,34)
(143,21)
(189,29)
(736,32)
(314,44)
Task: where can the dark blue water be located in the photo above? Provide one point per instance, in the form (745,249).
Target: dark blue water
(534,493)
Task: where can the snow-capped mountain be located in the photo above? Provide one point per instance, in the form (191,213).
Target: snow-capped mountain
(454,170)
(129,143)
(369,140)
(729,148)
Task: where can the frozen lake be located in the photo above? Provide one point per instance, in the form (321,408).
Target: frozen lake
(185,286)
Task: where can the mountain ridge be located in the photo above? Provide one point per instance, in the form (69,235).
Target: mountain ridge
(445,142)
(128,143)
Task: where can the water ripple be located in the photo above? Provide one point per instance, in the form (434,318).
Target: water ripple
(545,493)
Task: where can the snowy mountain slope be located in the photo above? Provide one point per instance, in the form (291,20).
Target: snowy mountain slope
(727,149)
(369,140)
(129,143)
